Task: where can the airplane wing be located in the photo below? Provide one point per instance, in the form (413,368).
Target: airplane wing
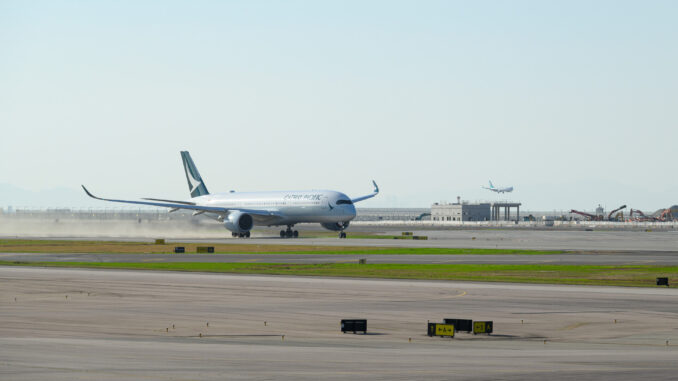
(186,205)
(361,198)
(170,201)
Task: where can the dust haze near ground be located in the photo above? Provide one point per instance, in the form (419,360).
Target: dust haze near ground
(111,228)
(603,237)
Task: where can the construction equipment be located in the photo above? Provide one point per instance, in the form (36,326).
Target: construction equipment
(616,218)
(589,217)
(642,217)
(638,212)
(666,215)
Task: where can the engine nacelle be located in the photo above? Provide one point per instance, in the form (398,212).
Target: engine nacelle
(335,226)
(239,222)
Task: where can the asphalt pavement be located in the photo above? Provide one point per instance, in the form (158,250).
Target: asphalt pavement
(77,324)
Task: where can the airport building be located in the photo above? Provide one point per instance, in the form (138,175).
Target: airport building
(482,211)
(460,212)
(496,211)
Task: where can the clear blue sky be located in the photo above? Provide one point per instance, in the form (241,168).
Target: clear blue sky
(574,103)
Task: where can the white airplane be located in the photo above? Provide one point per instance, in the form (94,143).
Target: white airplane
(499,190)
(241,211)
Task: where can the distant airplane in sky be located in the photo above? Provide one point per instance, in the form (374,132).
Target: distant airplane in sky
(499,190)
(241,211)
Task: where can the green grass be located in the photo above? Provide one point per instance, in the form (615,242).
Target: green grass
(121,247)
(643,276)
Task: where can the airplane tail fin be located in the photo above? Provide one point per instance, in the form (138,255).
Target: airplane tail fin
(491,186)
(195,184)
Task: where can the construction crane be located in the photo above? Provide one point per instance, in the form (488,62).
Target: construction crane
(589,217)
(609,216)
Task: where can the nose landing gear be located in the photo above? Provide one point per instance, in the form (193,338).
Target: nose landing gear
(342,235)
(289,233)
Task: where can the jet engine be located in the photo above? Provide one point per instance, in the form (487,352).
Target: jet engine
(336,226)
(239,222)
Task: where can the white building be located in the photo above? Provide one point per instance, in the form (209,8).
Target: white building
(460,212)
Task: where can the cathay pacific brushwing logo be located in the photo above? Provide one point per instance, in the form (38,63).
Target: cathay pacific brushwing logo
(195,181)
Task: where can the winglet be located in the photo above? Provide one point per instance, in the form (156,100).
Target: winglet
(376,191)
(88,193)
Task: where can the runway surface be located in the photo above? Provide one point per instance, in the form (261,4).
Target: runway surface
(481,238)
(586,248)
(70,324)
(627,258)
(508,239)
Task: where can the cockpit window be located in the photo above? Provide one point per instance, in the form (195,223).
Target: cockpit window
(343,202)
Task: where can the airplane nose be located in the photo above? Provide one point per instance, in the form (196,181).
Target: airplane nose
(352,211)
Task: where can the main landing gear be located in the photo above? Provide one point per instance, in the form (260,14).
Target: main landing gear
(342,235)
(241,235)
(289,233)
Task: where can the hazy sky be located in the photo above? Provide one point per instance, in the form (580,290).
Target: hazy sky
(574,103)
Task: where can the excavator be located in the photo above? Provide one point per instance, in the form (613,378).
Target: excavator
(619,216)
(666,215)
(663,215)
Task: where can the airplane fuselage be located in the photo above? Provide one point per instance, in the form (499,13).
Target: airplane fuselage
(291,207)
(501,190)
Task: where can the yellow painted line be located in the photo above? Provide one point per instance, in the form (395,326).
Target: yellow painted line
(575,325)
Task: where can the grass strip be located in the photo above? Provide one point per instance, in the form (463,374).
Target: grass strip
(121,247)
(639,276)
